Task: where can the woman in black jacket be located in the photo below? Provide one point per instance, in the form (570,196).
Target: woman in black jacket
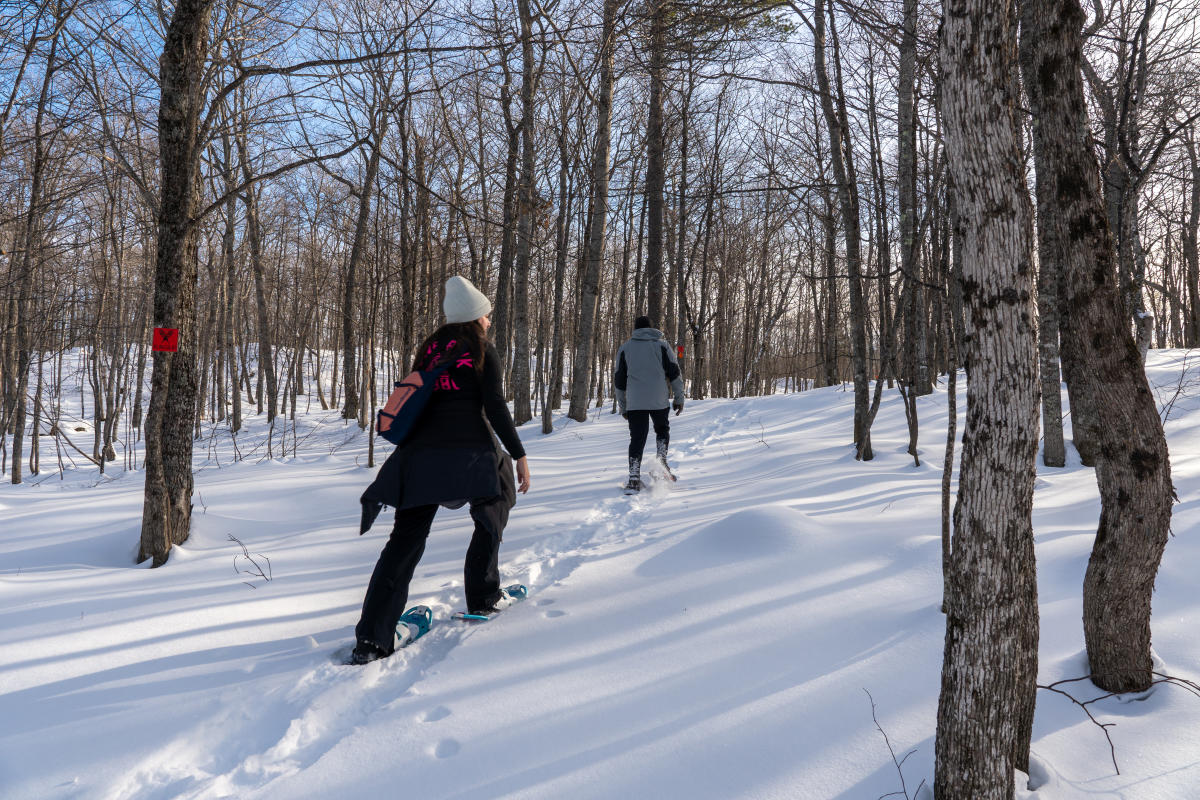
(451,458)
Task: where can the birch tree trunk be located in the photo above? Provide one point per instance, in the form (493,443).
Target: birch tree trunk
(989,668)
(1133,468)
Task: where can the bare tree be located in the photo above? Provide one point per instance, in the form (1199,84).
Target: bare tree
(989,667)
(841,156)
(166,515)
(1132,466)
(32,231)
(598,220)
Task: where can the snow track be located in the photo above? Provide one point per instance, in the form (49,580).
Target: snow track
(257,738)
(233,753)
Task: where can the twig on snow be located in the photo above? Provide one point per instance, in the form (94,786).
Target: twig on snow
(898,762)
(1190,686)
(255,569)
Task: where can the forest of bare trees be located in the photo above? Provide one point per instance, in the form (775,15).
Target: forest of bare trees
(768,179)
(803,193)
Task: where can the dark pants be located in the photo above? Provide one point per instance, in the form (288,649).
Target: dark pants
(387,593)
(639,426)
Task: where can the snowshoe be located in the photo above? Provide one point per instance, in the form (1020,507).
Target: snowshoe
(413,624)
(508,596)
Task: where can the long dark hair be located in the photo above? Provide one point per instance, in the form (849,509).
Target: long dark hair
(469,333)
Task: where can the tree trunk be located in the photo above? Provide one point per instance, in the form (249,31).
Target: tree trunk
(229,345)
(989,668)
(1133,468)
(847,189)
(350,376)
(502,312)
(565,201)
(266,344)
(590,286)
(915,344)
(831,326)
(1049,269)
(1191,251)
(655,166)
(522,412)
(167,511)
(31,243)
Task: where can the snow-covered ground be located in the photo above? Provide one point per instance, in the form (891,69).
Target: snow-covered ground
(715,639)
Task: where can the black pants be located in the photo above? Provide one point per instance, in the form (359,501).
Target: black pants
(387,593)
(639,426)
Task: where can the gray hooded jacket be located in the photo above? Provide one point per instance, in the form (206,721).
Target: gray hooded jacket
(645,366)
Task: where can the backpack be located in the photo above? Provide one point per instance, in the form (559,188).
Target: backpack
(395,421)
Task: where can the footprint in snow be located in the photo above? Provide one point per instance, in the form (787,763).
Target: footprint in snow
(447,748)
(435,714)
(553,613)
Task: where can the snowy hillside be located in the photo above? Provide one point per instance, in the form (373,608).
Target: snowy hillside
(715,639)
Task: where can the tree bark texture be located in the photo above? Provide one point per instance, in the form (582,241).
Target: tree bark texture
(655,162)
(501,310)
(590,285)
(1191,251)
(167,510)
(350,408)
(916,355)
(841,155)
(266,344)
(1133,468)
(31,235)
(1049,270)
(989,670)
(522,412)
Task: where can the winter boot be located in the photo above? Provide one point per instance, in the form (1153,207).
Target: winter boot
(508,596)
(365,653)
(660,456)
(634,484)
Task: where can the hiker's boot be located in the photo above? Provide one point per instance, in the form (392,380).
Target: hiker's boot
(634,484)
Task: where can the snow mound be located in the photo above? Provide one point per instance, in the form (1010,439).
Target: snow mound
(759,533)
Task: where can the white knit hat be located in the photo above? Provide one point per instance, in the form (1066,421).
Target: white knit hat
(463,301)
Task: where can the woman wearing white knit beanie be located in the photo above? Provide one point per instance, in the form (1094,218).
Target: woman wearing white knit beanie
(451,458)
(464,302)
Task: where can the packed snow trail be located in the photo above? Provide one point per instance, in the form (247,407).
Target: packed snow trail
(326,704)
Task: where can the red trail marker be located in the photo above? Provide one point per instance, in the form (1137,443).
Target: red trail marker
(166,340)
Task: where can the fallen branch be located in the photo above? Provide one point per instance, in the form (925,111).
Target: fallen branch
(899,763)
(1185,684)
(256,569)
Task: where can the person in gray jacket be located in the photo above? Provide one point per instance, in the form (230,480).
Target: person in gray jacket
(646,377)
